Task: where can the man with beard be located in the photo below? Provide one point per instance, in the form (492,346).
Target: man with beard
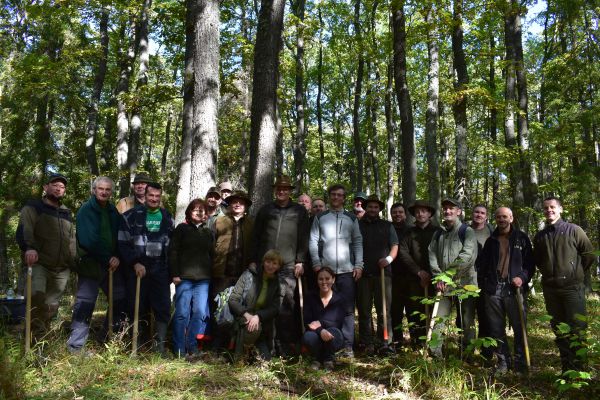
(358,204)
(213,209)
(305,201)
(46,236)
(138,186)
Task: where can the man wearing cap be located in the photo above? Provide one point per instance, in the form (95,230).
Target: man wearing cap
(380,247)
(358,204)
(46,236)
(213,209)
(336,242)
(399,298)
(414,272)
(282,225)
(139,189)
(226,189)
(454,248)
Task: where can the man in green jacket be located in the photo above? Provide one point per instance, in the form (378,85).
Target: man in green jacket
(455,247)
(563,253)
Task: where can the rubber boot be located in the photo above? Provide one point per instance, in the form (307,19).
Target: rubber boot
(38,315)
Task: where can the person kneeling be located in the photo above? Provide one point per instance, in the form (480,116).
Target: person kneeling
(254,302)
(325,311)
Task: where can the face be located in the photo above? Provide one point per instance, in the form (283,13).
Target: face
(213,200)
(552,211)
(304,201)
(238,206)
(358,203)
(336,198)
(373,209)
(450,212)
(225,193)
(398,215)
(325,281)
(198,215)
(103,191)
(318,206)
(282,193)
(270,268)
(153,196)
(422,215)
(503,218)
(479,215)
(55,190)
(139,188)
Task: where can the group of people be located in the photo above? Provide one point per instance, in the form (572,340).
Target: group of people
(293,275)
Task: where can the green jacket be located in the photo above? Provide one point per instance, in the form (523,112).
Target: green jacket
(562,252)
(246,291)
(447,251)
(191,252)
(223,230)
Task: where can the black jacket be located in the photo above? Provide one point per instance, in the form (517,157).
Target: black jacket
(331,316)
(191,252)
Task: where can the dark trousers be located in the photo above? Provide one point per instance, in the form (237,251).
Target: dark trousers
(286,324)
(564,305)
(344,284)
(320,350)
(221,335)
(155,293)
(369,292)
(483,323)
(404,289)
(499,306)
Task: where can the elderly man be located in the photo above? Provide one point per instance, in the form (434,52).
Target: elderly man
(138,186)
(46,236)
(282,225)
(454,248)
(143,241)
(336,242)
(97,228)
(563,254)
(380,247)
(225,189)
(505,266)
(358,204)
(305,201)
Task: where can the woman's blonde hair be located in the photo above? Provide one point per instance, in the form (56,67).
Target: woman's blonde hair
(273,255)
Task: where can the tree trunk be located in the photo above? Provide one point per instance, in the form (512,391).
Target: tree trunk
(92,125)
(319,105)
(263,124)
(5,214)
(493,123)
(459,106)
(409,161)
(358,150)
(390,127)
(298,7)
(165,152)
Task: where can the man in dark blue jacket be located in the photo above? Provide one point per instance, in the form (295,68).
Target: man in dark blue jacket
(97,227)
(506,266)
(144,237)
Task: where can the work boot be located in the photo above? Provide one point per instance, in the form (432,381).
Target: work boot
(38,315)
(161,337)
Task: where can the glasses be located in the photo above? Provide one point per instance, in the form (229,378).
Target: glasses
(334,194)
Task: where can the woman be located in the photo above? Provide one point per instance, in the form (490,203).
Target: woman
(324,311)
(255,303)
(190,259)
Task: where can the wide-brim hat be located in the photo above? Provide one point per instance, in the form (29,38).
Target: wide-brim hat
(360,195)
(284,181)
(374,199)
(56,177)
(213,190)
(142,177)
(238,194)
(422,204)
(452,201)
(226,186)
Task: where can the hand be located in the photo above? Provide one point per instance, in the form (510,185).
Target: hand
(425,278)
(298,270)
(176,280)
(517,282)
(383,262)
(140,270)
(31,257)
(316,268)
(252,266)
(326,336)
(314,325)
(440,286)
(357,273)
(113,264)
(252,322)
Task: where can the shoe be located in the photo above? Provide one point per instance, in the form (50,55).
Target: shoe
(436,353)
(501,369)
(329,365)
(347,353)
(369,350)
(315,365)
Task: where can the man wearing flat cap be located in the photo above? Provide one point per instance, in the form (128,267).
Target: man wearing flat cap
(213,206)
(380,247)
(46,236)
(138,186)
(282,225)
(225,189)
(413,257)
(454,248)
(359,204)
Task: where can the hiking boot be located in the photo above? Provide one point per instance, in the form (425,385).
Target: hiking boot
(501,369)
(369,350)
(315,365)
(329,365)
(347,352)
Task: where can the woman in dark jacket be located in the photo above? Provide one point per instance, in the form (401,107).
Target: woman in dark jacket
(190,260)
(324,314)
(255,303)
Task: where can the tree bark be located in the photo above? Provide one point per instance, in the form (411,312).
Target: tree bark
(298,8)
(319,105)
(493,123)
(263,122)
(358,150)
(390,127)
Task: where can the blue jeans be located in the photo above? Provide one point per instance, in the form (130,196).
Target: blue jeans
(321,350)
(191,315)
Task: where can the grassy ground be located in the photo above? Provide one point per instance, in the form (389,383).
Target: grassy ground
(110,373)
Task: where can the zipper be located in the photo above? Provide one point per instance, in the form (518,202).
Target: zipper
(337,214)
(279,227)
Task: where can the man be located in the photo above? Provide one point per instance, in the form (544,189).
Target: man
(213,209)
(455,247)
(225,189)
(414,275)
(143,243)
(380,247)
(563,254)
(305,201)
(139,193)
(97,228)
(399,295)
(358,204)
(336,242)
(283,226)
(318,206)
(46,236)
(506,266)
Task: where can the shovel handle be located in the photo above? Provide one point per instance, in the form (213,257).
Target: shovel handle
(383,306)
(110,303)
(28,311)
(136,317)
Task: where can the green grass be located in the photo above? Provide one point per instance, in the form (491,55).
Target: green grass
(50,372)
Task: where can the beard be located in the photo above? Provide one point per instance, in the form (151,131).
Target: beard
(52,197)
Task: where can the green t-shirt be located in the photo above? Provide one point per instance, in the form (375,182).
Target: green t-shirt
(262,296)
(153,220)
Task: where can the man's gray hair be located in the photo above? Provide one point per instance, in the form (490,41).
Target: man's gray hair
(103,179)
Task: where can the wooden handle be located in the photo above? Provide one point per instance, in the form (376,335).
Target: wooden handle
(110,303)
(28,312)
(383,306)
(136,316)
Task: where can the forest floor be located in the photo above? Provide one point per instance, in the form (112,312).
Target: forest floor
(109,372)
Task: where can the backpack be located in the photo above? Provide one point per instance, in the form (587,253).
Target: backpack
(222,314)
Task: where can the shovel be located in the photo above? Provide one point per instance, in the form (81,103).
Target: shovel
(110,304)
(28,311)
(519,295)
(136,317)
